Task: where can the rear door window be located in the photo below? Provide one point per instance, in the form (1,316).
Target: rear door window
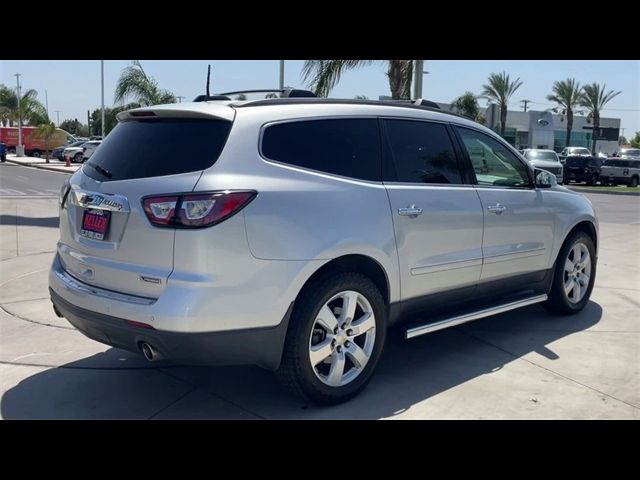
(422,152)
(156,147)
(347,147)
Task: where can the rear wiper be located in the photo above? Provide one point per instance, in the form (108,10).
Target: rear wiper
(103,171)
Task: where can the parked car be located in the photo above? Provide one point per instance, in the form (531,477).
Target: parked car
(578,168)
(88,149)
(290,233)
(81,153)
(571,151)
(627,153)
(73,153)
(545,160)
(616,171)
(58,152)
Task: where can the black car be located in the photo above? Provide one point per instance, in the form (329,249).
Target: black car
(580,168)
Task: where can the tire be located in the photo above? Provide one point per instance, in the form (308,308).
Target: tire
(634,182)
(309,382)
(77,158)
(35,154)
(559,300)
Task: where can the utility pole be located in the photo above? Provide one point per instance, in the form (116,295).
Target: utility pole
(46,99)
(102,87)
(418,74)
(281,84)
(89,123)
(525,104)
(58,112)
(19,147)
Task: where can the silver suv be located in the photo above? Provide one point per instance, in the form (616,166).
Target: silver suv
(290,233)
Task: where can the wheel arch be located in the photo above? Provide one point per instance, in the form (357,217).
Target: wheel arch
(585,226)
(353,263)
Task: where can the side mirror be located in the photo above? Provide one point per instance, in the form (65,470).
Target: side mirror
(544,179)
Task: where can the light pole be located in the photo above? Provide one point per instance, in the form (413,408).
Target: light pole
(58,116)
(19,147)
(281,75)
(417,78)
(102,87)
(46,99)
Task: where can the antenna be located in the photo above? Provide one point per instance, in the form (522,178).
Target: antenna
(208,78)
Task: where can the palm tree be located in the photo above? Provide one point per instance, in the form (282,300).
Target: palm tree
(31,110)
(500,89)
(594,99)
(323,75)
(567,94)
(46,131)
(135,85)
(467,105)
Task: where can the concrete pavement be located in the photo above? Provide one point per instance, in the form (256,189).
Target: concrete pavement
(522,364)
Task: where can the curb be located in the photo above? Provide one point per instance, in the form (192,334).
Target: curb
(604,192)
(50,167)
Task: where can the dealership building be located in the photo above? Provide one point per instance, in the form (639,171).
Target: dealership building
(543,129)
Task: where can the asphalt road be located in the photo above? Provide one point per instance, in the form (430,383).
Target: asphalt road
(19,181)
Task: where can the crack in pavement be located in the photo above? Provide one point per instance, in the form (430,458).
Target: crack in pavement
(213,394)
(486,342)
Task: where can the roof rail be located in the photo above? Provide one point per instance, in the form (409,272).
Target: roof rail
(420,104)
(284,92)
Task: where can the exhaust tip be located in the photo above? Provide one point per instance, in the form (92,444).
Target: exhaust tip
(150,353)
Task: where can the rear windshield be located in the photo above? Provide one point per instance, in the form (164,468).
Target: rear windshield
(537,155)
(156,147)
(583,162)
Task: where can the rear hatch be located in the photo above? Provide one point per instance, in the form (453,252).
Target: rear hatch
(106,238)
(578,164)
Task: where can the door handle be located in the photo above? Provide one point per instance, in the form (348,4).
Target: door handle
(497,208)
(410,211)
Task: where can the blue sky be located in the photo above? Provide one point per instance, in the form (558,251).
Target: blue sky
(73,86)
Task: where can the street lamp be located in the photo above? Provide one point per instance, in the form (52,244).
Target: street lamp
(281,84)
(102,85)
(19,147)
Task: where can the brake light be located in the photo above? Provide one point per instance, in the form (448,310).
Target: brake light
(195,210)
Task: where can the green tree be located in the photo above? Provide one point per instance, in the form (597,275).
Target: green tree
(74,127)
(594,99)
(567,94)
(47,131)
(323,75)
(136,86)
(361,97)
(110,118)
(32,112)
(635,141)
(467,105)
(500,89)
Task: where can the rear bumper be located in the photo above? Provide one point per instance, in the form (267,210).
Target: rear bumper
(254,346)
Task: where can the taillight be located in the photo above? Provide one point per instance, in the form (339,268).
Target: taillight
(195,210)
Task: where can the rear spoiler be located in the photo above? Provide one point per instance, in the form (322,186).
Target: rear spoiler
(178,110)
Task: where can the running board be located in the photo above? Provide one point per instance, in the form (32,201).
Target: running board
(471,316)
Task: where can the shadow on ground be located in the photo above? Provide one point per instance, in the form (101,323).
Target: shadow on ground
(409,372)
(29,221)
